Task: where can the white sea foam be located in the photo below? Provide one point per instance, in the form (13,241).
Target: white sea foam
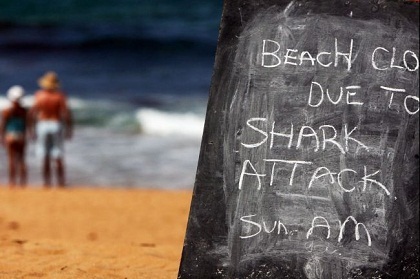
(155,122)
(4,103)
(116,116)
(27,101)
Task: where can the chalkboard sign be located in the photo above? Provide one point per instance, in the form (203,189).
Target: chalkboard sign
(309,161)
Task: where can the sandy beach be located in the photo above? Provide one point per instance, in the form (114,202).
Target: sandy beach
(84,232)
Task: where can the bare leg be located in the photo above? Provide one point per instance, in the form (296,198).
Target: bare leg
(46,171)
(60,172)
(23,174)
(12,171)
(12,164)
(22,165)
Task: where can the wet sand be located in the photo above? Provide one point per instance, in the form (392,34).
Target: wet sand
(84,232)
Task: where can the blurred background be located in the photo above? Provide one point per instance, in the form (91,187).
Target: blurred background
(137,74)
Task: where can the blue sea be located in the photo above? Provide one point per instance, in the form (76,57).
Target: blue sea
(137,74)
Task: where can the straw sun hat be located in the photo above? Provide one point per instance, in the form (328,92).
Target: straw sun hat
(49,81)
(15,93)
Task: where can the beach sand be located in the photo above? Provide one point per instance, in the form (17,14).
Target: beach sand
(83,232)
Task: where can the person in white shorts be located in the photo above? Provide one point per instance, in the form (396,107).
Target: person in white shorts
(51,118)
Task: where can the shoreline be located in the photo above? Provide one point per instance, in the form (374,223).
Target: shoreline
(92,232)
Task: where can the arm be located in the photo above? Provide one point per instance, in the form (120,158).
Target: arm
(31,117)
(3,121)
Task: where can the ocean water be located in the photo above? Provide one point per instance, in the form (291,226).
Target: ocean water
(137,74)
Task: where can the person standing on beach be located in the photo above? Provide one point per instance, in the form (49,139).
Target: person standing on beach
(51,118)
(13,135)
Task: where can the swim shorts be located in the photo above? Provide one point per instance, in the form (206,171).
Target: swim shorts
(14,136)
(49,139)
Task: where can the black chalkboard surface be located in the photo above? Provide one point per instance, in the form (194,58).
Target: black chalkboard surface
(309,164)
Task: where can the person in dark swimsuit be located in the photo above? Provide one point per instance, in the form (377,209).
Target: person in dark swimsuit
(13,136)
